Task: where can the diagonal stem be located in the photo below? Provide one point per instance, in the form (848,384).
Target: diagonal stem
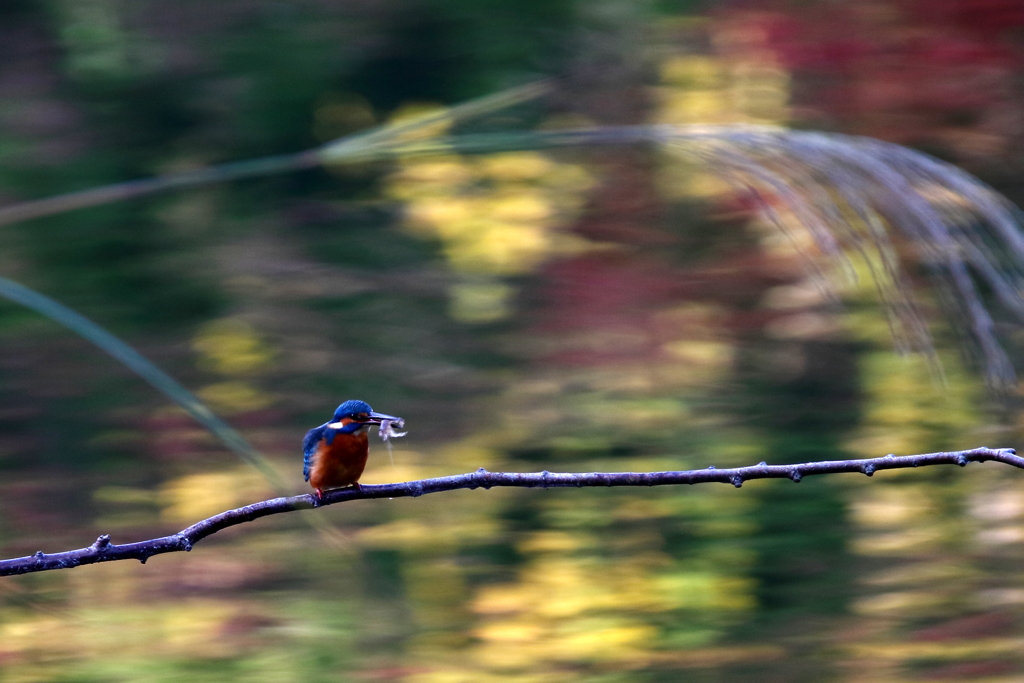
(350,149)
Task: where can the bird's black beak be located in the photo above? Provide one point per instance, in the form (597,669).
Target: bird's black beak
(377,418)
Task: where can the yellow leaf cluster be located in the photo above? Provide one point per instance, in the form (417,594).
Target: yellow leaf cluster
(495,216)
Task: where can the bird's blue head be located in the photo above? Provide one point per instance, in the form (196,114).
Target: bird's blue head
(352,409)
(360,412)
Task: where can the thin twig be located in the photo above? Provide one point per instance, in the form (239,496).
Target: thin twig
(105,551)
(357,147)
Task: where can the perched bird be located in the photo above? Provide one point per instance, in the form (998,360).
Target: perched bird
(334,454)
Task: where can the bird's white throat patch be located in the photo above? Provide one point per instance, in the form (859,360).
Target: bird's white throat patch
(361,429)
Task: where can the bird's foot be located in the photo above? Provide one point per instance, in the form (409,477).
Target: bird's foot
(318,497)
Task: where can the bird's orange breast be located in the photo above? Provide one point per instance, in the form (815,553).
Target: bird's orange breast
(339,463)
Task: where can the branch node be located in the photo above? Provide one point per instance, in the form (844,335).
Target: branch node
(102,543)
(868,469)
(40,556)
(415,489)
(890,456)
(796,476)
(762,464)
(482,478)
(544,479)
(185,543)
(712,467)
(737,481)
(961,460)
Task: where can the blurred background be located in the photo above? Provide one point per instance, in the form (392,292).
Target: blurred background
(588,309)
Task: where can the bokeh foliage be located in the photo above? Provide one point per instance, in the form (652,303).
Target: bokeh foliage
(581,309)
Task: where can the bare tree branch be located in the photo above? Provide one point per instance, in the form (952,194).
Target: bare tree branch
(105,551)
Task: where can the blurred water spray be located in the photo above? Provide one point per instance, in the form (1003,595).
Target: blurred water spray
(850,193)
(853,196)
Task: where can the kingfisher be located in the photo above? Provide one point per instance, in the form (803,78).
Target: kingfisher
(334,454)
